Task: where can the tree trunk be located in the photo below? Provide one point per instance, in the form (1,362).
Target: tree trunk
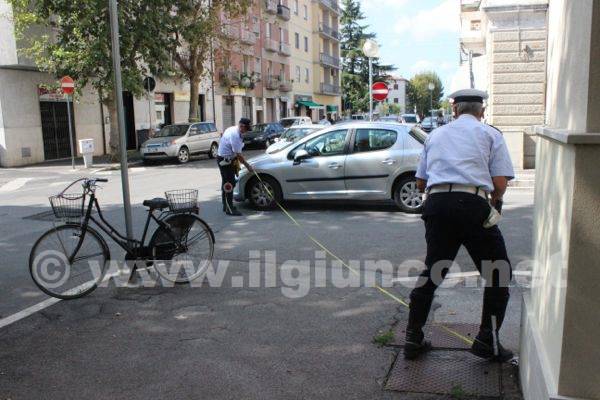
(194,92)
(114,142)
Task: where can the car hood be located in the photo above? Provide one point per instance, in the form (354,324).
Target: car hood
(259,160)
(160,140)
(278,146)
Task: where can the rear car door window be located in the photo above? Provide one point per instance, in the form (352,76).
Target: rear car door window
(374,139)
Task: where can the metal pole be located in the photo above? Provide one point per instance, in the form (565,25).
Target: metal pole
(118,89)
(471,75)
(149,114)
(70,134)
(431,105)
(370,89)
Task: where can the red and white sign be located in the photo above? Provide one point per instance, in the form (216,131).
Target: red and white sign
(380,91)
(67,85)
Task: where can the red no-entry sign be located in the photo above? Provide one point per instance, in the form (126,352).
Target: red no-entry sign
(380,91)
(67,84)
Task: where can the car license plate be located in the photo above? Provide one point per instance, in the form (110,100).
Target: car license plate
(152,149)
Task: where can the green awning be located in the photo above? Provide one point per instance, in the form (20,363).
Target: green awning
(308,104)
(332,108)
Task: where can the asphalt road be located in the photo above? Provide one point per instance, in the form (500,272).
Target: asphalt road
(228,341)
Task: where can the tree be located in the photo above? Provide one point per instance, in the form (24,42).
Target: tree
(196,27)
(419,95)
(75,41)
(355,65)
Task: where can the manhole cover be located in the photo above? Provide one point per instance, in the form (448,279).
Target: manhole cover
(446,372)
(441,337)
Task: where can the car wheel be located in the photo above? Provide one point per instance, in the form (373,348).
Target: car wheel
(407,196)
(183,156)
(264,194)
(214,149)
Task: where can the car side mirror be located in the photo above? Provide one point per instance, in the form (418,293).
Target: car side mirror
(300,155)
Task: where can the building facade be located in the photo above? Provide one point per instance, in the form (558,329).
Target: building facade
(266,74)
(503,51)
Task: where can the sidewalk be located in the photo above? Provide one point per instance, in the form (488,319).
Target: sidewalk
(100,163)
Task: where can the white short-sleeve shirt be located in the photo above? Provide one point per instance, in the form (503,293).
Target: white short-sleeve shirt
(465,152)
(231,142)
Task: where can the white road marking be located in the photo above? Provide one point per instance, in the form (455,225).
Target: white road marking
(14,185)
(11,319)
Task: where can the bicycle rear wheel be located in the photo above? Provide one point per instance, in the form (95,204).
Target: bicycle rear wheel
(50,267)
(184,252)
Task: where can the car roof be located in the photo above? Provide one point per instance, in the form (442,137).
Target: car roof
(306,126)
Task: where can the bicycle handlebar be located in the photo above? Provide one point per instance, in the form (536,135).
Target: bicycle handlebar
(87,183)
(101,180)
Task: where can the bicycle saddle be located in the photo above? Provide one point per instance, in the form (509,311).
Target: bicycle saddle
(156,203)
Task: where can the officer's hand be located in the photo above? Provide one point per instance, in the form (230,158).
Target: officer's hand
(250,168)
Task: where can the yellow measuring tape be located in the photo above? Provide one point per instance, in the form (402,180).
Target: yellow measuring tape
(352,270)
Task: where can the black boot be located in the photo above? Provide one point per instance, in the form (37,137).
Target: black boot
(420,304)
(415,344)
(484,347)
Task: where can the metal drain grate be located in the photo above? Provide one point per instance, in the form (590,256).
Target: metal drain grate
(439,337)
(446,372)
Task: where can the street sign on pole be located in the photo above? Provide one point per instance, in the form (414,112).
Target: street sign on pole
(118,93)
(380,91)
(67,85)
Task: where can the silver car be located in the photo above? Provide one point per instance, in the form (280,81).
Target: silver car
(355,160)
(181,141)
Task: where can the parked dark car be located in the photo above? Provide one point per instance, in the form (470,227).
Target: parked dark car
(429,124)
(262,135)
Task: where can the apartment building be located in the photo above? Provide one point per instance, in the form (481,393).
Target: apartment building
(503,50)
(34,122)
(326,56)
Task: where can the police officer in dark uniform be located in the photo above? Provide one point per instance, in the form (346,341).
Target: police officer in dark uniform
(229,157)
(465,168)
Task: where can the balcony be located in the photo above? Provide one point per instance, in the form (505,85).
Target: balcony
(331,5)
(284,49)
(328,88)
(273,83)
(470,5)
(229,78)
(329,61)
(271,6)
(271,45)
(248,37)
(285,85)
(328,32)
(232,32)
(283,12)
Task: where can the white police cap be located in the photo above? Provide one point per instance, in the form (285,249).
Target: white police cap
(469,96)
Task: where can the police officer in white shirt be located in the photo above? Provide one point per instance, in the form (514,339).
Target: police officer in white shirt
(464,169)
(229,154)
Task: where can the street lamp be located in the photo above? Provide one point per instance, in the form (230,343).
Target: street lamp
(371,50)
(431,86)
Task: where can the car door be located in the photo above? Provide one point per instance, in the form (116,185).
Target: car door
(320,176)
(193,139)
(374,157)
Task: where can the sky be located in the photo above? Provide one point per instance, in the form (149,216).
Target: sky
(417,35)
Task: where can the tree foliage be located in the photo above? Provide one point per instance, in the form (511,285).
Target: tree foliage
(355,65)
(196,27)
(419,95)
(66,37)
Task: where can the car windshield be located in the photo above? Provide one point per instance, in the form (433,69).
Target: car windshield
(410,119)
(286,123)
(173,130)
(293,135)
(260,128)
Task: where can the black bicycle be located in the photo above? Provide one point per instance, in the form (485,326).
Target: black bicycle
(69,261)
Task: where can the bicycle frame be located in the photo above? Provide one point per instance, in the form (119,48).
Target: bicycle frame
(131,246)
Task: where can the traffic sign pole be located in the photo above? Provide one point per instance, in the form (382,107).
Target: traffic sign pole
(118,93)
(68,87)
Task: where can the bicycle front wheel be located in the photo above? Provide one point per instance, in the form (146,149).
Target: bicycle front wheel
(184,252)
(67,262)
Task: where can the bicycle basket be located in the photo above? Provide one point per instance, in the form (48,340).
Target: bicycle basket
(183,200)
(68,206)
